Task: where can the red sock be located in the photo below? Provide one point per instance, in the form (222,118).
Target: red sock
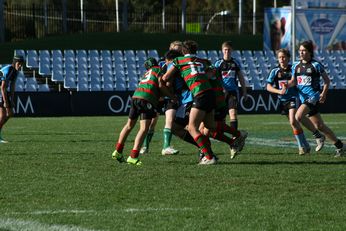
(227,129)
(119,147)
(203,143)
(134,153)
(222,137)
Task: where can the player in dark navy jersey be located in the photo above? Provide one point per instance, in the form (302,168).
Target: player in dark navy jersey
(8,76)
(231,73)
(306,75)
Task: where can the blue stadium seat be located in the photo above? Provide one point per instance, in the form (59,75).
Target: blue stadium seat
(154,54)
(82,86)
(202,54)
(31,84)
(95,86)
(32,59)
(57,73)
(20,52)
(44,63)
(120,87)
(43,88)
(108,87)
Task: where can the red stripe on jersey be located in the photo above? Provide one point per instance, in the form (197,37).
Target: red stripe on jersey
(145,90)
(151,82)
(198,83)
(188,59)
(186,78)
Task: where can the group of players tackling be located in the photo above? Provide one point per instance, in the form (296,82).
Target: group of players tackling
(197,96)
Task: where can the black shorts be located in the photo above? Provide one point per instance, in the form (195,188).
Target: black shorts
(205,101)
(161,106)
(285,106)
(314,108)
(142,108)
(8,99)
(182,114)
(232,99)
(220,114)
(168,104)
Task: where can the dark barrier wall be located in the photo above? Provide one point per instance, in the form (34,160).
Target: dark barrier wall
(118,103)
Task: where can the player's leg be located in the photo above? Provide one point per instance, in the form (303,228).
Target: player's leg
(147,113)
(320,138)
(149,136)
(167,132)
(119,147)
(298,132)
(3,119)
(317,120)
(126,130)
(196,117)
(142,132)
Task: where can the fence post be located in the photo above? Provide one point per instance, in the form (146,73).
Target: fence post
(2,26)
(64,16)
(33,21)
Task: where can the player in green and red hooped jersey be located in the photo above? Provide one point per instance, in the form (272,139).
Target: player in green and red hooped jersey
(221,110)
(193,71)
(144,104)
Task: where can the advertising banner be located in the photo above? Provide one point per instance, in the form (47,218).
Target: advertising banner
(277,28)
(119,103)
(325,27)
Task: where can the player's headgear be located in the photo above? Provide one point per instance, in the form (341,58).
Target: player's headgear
(150,62)
(18,58)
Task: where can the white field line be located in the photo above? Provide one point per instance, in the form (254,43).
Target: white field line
(76,211)
(27,225)
(277,143)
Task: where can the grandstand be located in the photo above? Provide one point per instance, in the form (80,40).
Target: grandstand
(119,70)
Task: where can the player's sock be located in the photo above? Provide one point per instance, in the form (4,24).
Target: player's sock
(202,142)
(167,137)
(228,129)
(148,138)
(119,147)
(338,144)
(134,153)
(188,138)
(222,137)
(317,134)
(299,135)
(234,124)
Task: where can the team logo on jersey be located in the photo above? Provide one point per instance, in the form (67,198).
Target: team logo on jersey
(298,70)
(308,70)
(279,75)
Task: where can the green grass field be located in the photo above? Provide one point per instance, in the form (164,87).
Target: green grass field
(57,174)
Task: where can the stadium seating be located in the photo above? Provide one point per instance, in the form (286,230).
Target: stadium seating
(117,70)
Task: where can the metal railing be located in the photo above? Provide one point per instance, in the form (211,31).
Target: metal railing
(37,21)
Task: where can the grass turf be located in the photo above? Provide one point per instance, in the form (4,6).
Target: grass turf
(57,174)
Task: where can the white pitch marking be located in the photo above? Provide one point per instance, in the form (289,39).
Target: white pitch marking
(27,225)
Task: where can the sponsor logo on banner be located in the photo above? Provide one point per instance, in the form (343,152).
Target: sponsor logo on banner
(322,26)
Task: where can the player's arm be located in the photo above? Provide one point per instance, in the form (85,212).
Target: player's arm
(164,90)
(13,86)
(274,90)
(4,93)
(242,83)
(169,74)
(325,88)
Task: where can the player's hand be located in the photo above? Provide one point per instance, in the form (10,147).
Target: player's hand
(9,112)
(245,96)
(323,98)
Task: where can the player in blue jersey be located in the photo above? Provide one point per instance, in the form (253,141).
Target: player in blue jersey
(231,73)
(289,102)
(8,76)
(306,75)
(288,98)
